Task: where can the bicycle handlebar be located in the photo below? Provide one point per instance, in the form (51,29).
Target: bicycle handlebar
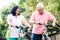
(48,25)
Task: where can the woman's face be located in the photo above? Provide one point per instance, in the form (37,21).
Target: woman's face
(17,11)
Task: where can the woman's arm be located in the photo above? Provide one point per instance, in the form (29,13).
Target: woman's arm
(26,23)
(9,21)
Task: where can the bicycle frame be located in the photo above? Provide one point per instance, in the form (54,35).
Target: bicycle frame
(21,33)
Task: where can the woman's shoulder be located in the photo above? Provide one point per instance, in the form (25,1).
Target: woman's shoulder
(21,16)
(9,14)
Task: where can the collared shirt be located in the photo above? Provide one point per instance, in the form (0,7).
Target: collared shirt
(16,20)
(14,33)
(39,29)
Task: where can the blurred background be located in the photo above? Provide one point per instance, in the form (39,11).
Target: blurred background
(27,7)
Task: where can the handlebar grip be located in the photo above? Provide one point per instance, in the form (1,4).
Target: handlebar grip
(49,25)
(17,27)
(27,27)
(56,26)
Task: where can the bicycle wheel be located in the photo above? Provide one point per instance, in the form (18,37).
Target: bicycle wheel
(44,37)
(48,38)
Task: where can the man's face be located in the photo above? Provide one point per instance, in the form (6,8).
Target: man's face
(40,10)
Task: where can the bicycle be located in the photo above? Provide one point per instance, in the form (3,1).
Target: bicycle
(28,35)
(24,33)
(45,36)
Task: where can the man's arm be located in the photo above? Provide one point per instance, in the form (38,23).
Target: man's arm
(32,19)
(54,22)
(51,17)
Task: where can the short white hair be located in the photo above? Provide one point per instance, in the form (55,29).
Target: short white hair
(40,5)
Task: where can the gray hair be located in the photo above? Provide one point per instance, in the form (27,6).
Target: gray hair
(40,5)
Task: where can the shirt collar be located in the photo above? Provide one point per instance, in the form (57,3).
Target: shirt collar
(39,14)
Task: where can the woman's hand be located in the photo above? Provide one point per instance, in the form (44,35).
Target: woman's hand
(26,23)
(13,26)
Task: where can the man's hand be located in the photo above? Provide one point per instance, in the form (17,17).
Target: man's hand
(53,24)
(38,23)
(54,21)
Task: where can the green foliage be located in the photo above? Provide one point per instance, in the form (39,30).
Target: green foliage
(27,7)
(50,5)
(3,24)
(21,5)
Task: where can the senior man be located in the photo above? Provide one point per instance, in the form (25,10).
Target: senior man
(40,16)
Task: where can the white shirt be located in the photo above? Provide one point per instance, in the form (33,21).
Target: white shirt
(14,33)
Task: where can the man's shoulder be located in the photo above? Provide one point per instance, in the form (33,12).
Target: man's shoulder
(47,12)
(35,12)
